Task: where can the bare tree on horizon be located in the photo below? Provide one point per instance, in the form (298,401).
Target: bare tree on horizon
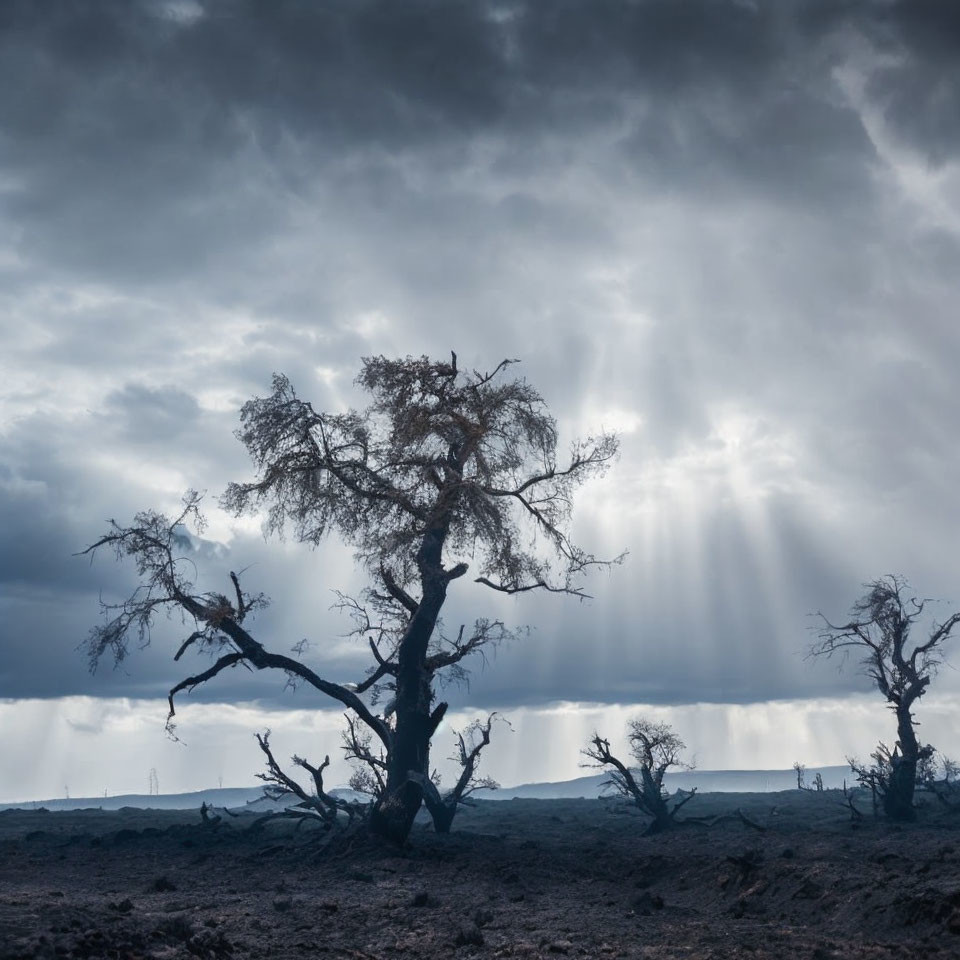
(655,748)
(879,629)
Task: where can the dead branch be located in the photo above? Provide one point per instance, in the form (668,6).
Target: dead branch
(281,787)
(848,802)
(370,768)
(470,743)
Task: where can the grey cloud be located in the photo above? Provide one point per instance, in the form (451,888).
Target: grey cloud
(158,153)
(670,211)
(162,415)
(918,90)
(81,726)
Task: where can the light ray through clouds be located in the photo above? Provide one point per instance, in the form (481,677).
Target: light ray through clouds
(72,735)
(728,231)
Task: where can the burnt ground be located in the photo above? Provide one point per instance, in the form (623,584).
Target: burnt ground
(520,878)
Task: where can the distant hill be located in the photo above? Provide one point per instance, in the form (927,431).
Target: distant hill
(705,781)
(233,797)
(222,797)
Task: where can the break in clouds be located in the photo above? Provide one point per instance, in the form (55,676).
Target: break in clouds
(728,230)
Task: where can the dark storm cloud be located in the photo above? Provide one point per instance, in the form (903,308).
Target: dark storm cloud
(673,212)
(150,148)
(55,503)
(920,89)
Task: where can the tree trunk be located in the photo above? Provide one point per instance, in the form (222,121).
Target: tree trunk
(898,798)
(656,805)
(392,817)
(442,811)
(443,817)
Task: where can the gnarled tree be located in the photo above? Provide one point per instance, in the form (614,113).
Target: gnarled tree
(879,629)
(441,466)
(655,749)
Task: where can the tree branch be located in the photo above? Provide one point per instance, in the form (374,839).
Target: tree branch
(396,591)
(229,660)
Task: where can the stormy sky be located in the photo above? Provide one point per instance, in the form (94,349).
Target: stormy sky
(729,230)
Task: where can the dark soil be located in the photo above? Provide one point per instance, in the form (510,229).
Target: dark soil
(521,878)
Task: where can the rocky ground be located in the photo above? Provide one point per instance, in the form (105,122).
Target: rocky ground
(521,878)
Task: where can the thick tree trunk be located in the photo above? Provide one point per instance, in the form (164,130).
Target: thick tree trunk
(393,816)
(655,803)
(443,818)
(898,798)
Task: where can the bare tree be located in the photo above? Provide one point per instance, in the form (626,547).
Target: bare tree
(880,630)
(801,771)
(655,748)
(441,466)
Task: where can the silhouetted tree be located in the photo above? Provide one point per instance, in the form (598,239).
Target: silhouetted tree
(936,774)
(441,466)
(655,748)
(801,771)
(880,630)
